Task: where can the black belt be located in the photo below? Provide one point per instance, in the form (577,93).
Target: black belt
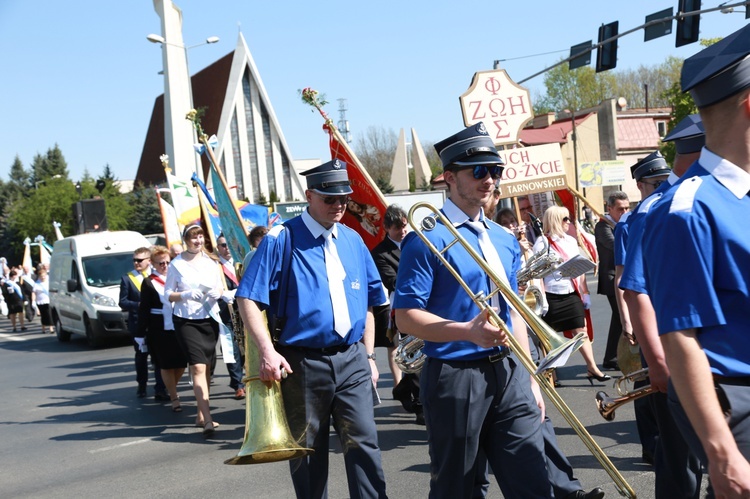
(324,351)
(495,357)
(728,380)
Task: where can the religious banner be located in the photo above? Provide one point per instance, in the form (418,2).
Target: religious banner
(532,169)
(366,206)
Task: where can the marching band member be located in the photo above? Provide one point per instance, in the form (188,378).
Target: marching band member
(477,398)
(678,471)
(696,241)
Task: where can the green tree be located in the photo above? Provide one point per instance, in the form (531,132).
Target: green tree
(576,89)
(145,216)
(376,150)
(20,181)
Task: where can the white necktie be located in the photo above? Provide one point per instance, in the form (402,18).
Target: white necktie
(336,276)
(491,257)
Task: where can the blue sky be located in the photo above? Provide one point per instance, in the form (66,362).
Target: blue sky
(82,74)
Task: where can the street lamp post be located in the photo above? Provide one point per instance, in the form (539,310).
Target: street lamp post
(179,135)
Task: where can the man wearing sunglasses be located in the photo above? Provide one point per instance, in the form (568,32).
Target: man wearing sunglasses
(230,279)
(130,298)
(478,400)
(318,278)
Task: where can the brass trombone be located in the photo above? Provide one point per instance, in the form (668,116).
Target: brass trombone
(541,329)
(608,405)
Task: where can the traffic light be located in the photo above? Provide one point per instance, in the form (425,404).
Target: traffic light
(582,60)
(606,55)
(687,26)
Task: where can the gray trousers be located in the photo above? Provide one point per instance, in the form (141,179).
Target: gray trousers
(338,386)
(480,405)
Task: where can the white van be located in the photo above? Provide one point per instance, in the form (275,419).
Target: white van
(84,283)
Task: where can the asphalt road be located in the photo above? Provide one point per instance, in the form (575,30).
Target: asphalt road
(73,427)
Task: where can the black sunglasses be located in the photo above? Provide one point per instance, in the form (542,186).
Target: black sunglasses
(162,263)
(481,171)
(566,219)
(333,199)
(222,245)
(139,260)
(655,183)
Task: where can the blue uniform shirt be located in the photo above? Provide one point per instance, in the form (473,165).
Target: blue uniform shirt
(621,238)
(309,311)
(697,261)
(424,283)
(632,273)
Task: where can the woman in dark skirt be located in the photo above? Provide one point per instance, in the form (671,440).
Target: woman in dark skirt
(40,299)
(567,298)
(156,325)
(194,285)
(14,299)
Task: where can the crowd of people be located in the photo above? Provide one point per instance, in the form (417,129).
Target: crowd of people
(25,295)
(674,271)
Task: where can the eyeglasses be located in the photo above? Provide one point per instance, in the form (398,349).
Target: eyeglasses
(481,171)
(160,264)
(566,219)
(655,183)
(139,260)
(333,199)
(222,245)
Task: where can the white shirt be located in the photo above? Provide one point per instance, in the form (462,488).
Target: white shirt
(569,247)
(182,276)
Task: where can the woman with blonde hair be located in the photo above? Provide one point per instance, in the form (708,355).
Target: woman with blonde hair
(194,286)
(567,298)
(155,323)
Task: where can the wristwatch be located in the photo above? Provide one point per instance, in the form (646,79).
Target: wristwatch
(371,356)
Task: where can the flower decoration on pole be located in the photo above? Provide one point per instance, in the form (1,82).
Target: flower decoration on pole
(313,98)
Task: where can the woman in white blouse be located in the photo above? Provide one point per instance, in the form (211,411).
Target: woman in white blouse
(40,299)
(567,298)
(194,286)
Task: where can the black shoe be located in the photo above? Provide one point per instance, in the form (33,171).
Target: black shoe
(402,394)
(162,396)
(591,377)
(420,419)
(141,393)
(595,493)
(648,458)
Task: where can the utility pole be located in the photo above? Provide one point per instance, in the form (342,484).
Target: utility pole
(343,124)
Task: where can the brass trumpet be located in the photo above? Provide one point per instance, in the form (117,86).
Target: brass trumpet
(608,405)
(541,329)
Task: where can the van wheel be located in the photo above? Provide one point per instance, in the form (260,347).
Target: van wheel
(62,335)
(93,339)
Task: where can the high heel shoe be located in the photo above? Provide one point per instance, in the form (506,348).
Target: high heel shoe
(176,407)
(591,377)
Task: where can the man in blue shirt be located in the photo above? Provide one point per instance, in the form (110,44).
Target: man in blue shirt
(318,278)
(678,471)
(696,242)
(476,397)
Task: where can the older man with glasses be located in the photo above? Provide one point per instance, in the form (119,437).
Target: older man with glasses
(316,276)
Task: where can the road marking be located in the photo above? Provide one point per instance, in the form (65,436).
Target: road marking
(12,337)
(127,444)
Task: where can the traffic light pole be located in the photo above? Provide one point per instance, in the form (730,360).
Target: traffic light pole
(655,22)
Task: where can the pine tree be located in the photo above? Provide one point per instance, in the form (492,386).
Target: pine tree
(145,216)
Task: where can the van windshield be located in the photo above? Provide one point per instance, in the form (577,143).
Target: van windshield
(106,270)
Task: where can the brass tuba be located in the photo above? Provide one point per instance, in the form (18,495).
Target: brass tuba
(267,436)
(541,329)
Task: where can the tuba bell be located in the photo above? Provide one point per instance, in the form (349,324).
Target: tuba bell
(267,437)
